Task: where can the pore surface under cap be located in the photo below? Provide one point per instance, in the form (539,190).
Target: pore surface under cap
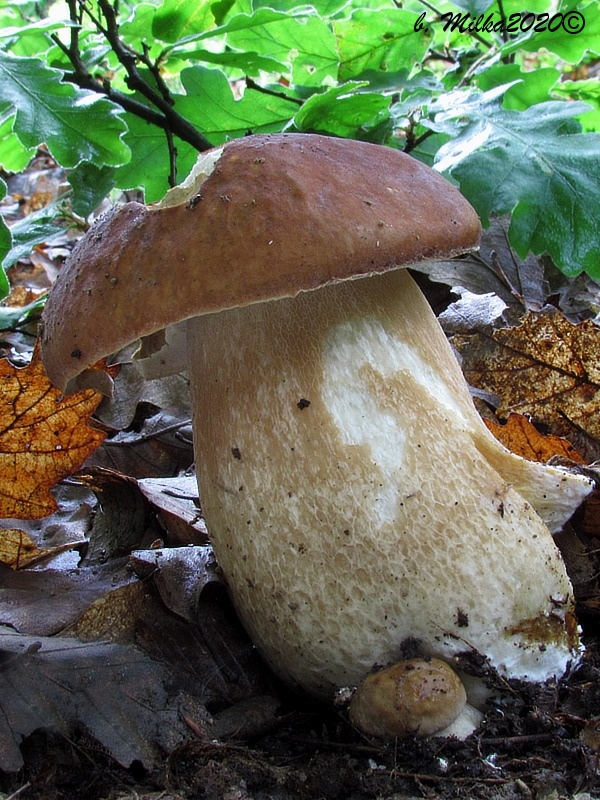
(278,215)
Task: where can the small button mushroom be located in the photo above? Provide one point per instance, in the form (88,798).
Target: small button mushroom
(376,506)
(417,697)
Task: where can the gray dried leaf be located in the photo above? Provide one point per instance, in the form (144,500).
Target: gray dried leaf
(472,312)
(121,517)
(495,269)
(42,603)
(116,693)
(180,575)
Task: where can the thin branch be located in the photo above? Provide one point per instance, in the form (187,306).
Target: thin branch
(505,36)
(489,56)
(82,78)
(126,102)
(251,84)
(18,792)
(158,78)
(413,142)
(435,55)
(172,178)
(163,115)
(128,58)
(431,7)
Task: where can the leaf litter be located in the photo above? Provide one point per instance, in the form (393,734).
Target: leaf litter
(43,438)
(521,436)
(546,368)
(183,656)
(116,691)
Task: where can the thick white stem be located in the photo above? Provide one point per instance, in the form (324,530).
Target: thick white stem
(354,497)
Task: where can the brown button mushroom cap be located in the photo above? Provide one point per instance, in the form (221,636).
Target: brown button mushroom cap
(353,495)
(418,697)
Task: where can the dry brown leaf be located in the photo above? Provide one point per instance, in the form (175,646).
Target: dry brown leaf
(177,506)
(590,518)
(43,438)
(547,368)
(180,574)
(121,519)
(590,734)
(520,436)
(17,548)
(21,296)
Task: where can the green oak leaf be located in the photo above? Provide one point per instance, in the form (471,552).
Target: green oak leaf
(305,43)
(150,168)
(325,8)
(515,6)
(473,7)
(13,156)
(40,226)
(209,104)
(176,18)
(247,62)
(75,124)
(90,186)
(578,34)
(343,111)
(384,40)
(587,91)
(528,88)
(244,21)
(535,164)
(41,26)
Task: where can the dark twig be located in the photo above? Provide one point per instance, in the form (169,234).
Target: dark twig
(128,103)
(435,55)
(172,178)
(251,84)
(161,111)
(18,792)
(82,78)
(177,124)
(412,141)
(158,78)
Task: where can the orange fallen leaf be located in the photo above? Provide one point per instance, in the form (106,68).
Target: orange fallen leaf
(18,550)
(44,437)
(520,436)
(546,367)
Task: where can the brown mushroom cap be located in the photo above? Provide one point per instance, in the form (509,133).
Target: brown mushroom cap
(279,214)
(416,697)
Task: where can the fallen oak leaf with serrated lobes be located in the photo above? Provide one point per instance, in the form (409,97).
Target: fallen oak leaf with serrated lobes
(44,437)
(546,368)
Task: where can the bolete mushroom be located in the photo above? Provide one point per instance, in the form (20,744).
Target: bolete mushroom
(416,697)
(354,497)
